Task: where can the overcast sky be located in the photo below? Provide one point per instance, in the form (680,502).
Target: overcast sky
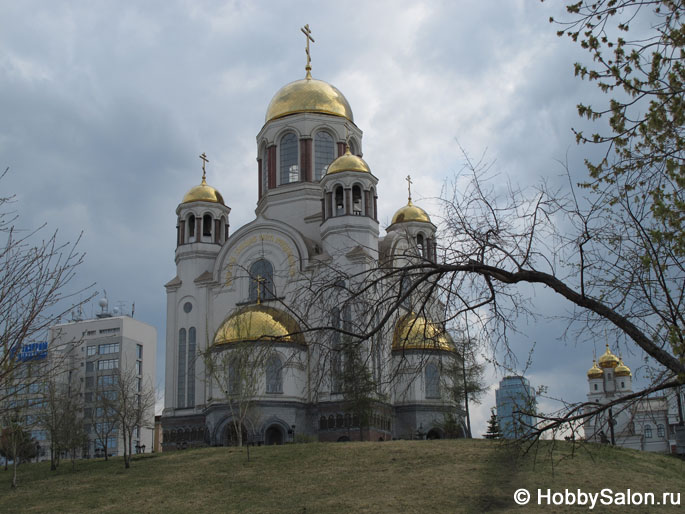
(105,106)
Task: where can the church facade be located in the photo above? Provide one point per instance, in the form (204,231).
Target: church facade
(260,320)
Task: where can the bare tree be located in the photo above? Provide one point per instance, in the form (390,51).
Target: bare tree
(133,404)
(35,275)
(102,415)
(61,417)
(236,374)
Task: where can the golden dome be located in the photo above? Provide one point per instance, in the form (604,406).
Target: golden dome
(203,193)
(608,360)
(308,95)
(622,370)
(348,162)
(258,323)
(410,212)
(414,332)
(595,371)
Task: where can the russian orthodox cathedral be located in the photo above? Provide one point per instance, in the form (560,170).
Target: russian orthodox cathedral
(282,285)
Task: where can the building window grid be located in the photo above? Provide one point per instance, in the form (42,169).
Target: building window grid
(108,364)
(104,349)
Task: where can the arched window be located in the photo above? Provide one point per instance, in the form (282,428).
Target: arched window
(356,200)
(207,225)
(405,284)
(190,400)
(233,377)
(191,225)
(274,377)
(290,169)
(648,432)
(323,423)
(181,397)
(331,421)
(336,352)
(261,280)
(353,147)
(339,201)
(660,431)
(421,243)
(432,381)
(324,153)
(265,170)
(339,421)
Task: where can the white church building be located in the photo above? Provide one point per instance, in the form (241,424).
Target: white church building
(268,283)
(646,424)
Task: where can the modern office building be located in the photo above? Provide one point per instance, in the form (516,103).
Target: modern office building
(92,352)
(516,405)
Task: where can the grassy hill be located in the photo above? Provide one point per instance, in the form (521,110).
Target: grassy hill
(398,476)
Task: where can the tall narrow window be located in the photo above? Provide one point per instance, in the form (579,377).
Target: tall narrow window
(181,397)
(265,170)
(357,200)
(336,353)
(274,377)
(421,243)
(339,201)
(432,381)
(261,280)
(190,399)
(648,432)
(660,431)
(290,169)
(191,226)
(324,153)
(233,377)
(207,225)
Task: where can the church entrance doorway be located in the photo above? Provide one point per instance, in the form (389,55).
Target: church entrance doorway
(273,435)
(433,434)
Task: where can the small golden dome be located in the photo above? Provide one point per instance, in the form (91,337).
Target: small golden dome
(414,332)
(308,95)
(595,371)
(203,193)
(622,370)
(608,359)
(410,212)
(348,162)
(258,323)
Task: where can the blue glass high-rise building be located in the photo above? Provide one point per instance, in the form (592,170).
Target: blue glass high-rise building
(515,404)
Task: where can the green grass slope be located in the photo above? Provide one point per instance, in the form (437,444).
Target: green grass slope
(398,476)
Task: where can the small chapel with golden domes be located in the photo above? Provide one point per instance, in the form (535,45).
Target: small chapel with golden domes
(642,425)
(261,323)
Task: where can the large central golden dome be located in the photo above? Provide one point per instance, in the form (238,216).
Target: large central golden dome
(308,95)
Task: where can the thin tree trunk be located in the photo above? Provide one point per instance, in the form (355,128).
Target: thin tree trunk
(15,464)
(466,395)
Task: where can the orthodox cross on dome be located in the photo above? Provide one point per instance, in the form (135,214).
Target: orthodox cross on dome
(204,161)
(260,281)
(308,34)
(409,183)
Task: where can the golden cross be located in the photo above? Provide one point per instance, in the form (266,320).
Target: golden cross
(308,34)
(204,161)
(260,280)
(409,182)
